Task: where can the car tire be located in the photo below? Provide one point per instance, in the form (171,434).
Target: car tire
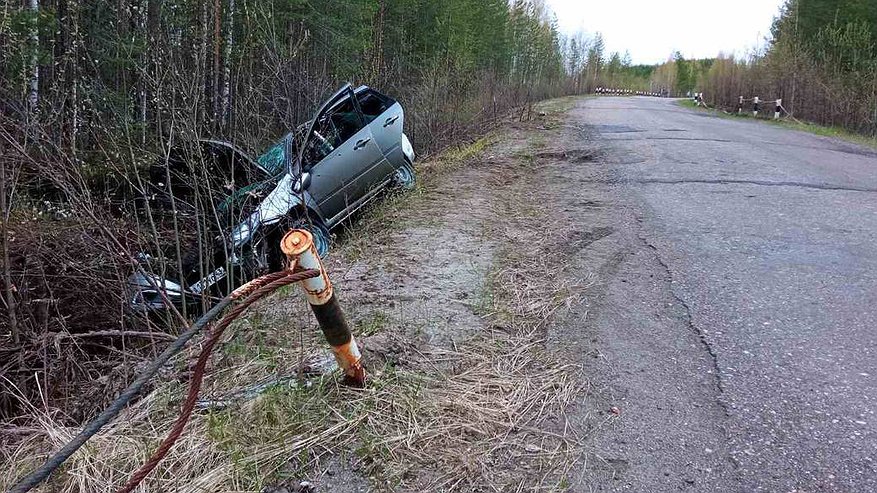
(405,177)
(320,233)
(318,230)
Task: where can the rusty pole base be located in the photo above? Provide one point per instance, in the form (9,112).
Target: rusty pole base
(354,373)
(334,325)
(298,245)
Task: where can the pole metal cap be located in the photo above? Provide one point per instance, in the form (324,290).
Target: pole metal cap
(296,241)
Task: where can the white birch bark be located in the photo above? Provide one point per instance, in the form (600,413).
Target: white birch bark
(33,91)
(226,63)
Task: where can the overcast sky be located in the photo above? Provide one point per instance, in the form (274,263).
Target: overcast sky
(652,30)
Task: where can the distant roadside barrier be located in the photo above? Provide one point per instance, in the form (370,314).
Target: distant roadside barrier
(756,106)
(613,91)
(753,104)
(743,104)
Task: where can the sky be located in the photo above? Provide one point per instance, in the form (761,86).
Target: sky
(651,30)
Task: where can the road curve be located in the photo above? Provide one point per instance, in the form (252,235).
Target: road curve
(736,320)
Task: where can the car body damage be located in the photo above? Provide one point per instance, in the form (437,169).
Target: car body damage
(314,178)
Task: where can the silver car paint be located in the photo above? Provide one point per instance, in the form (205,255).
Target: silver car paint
(353,168)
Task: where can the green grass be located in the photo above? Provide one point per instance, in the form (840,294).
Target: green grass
(376,322)
(813,128)
(539,142)
(285,412)
(827,131)
(687,103)
(291,413)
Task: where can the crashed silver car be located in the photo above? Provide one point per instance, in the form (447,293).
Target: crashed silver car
(314,178)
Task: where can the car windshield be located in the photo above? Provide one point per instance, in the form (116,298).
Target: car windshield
(274,160)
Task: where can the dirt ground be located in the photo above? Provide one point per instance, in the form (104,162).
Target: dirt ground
(507,240)
(480,252)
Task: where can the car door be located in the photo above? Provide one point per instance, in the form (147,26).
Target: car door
(342,157)
(385,118)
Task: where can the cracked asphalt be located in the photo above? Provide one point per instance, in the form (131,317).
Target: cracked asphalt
(733,322)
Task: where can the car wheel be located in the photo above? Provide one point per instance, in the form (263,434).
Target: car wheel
(404,177)
(322,239)
(276,258)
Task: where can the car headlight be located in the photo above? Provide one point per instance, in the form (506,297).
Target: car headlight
(243,232)
(148,292)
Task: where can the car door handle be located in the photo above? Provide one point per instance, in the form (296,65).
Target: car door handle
(360,144)
(391,120)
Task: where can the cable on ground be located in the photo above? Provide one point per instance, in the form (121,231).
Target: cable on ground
(253,290)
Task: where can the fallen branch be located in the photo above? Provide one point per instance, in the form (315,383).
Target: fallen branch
(117,333)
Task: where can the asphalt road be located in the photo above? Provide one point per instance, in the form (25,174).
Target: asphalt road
(734,325)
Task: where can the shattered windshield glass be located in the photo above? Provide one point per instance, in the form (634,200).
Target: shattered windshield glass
(275,158)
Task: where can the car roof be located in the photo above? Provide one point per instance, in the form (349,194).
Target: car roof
(355,91)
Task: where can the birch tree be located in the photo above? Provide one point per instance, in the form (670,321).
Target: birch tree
(228,43)
(34,41)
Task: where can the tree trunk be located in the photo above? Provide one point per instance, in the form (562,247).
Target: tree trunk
(8,287)
(141,70)
(68,20)
(123,13)
(225,106)
(74,76)
(33,93)
(206,94)
(377,58)
(217,57)
(152,59)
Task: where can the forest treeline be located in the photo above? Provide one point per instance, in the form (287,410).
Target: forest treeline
(93,92)
(821,61)
(89,71)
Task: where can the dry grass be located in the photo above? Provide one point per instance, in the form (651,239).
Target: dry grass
(487,414)
(496,418)
(528,281)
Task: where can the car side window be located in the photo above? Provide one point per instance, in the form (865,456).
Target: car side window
(372,104)
(335,128)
